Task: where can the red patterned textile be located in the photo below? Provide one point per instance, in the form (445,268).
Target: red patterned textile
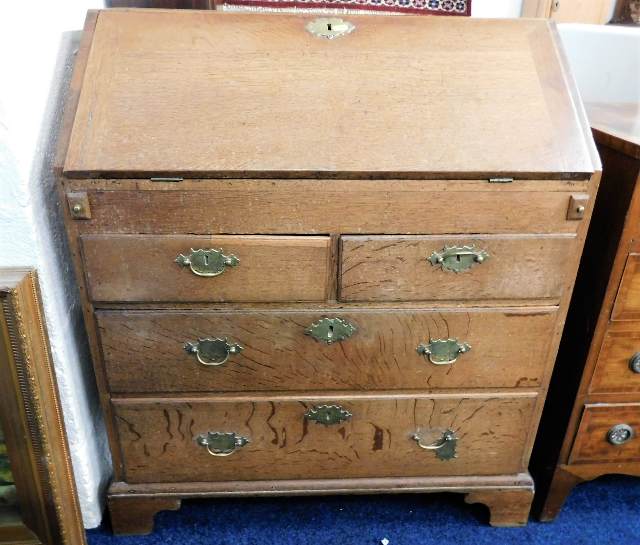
(421,7)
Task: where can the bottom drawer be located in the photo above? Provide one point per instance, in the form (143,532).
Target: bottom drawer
(608,433)
(297,438)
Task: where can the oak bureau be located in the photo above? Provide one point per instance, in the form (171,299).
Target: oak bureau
(322,255)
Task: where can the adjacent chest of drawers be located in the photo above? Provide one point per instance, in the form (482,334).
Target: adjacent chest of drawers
(600,351)
(322,256)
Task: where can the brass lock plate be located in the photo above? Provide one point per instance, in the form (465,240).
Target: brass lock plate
(329,27)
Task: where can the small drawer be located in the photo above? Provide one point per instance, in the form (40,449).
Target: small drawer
(608,433)
(481,267)
(618,365)
(229,268)
(310,438)
(627,305)
(285,350)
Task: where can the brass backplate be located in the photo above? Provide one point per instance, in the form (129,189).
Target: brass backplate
(212,351)
(443,351)
(221,443)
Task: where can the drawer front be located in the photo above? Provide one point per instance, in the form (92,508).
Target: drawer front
(328,206)
(367,437)
(618,365)
(627,305)
(250,268)
(608,433)
(145,351)
(394,268)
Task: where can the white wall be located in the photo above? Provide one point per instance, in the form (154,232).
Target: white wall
(36,51)
(35,54)
(605,60)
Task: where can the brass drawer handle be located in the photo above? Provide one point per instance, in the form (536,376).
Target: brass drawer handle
(620,434)
(458,258)
(634,363)
(220,443)
(212,352)
(443,351)
(445,447)
(207,262)
(331,330)
(327,414)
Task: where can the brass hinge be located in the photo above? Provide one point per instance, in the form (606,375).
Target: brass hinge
(500,180)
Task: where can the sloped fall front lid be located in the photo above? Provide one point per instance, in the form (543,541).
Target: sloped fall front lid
(206,94)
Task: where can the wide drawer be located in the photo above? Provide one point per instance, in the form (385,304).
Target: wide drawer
(249,268)
(608,433)
(326,206)
(368,436)
(627,305)
(481,267)
(618,365)
(148,351)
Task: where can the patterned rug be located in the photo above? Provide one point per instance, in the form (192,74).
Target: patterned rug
(420,7)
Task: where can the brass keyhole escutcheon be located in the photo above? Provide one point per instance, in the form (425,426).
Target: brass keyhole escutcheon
(209,262)
(331,330)
(458,258)
(329,27)
(327,415)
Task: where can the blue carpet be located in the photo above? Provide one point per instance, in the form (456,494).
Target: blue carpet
(602,512)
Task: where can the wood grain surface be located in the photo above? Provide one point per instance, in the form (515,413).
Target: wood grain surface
(627,305)
(144,351)
(158,437)
(143,268)
(392,268)
(239,95)
(612,372)
(591,443)
(327,206)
